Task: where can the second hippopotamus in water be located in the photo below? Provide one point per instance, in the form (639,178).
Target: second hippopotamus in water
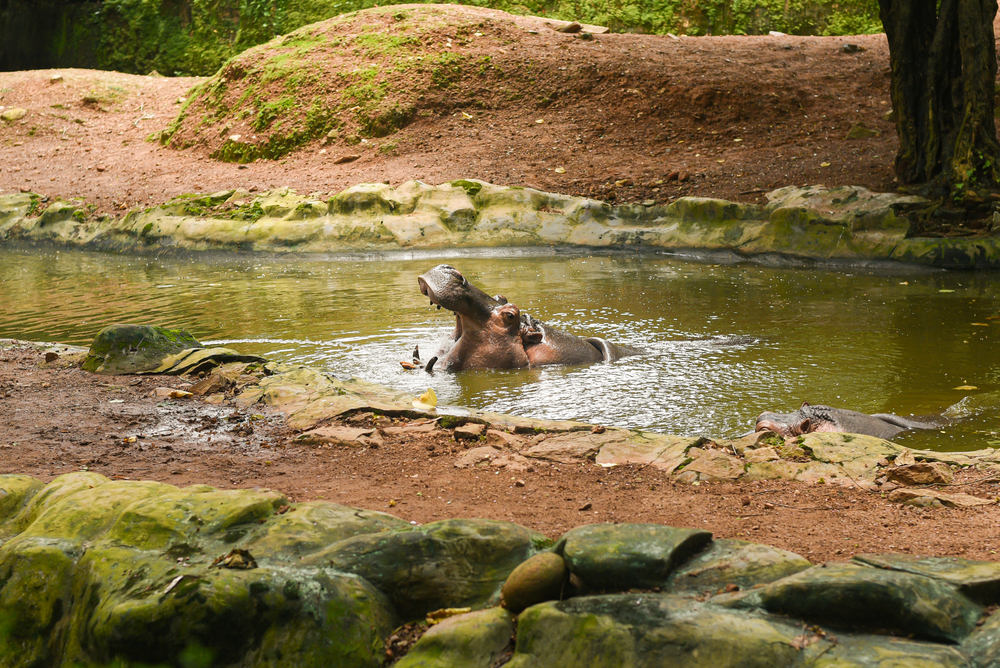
(826,418)
(491,333)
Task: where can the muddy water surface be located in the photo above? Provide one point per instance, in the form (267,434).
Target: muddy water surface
(874,340)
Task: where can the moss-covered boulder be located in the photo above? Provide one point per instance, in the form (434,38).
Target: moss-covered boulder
(473,640)
(619,557)
(124,348)
(451,563)
(855,596)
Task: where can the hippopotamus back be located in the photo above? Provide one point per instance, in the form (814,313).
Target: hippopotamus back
(810,419)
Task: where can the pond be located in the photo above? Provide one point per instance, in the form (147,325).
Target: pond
(875,339)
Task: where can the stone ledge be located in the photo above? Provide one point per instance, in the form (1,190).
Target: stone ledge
(847,223)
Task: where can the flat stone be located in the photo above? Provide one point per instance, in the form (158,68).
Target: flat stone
(849,595)
(921,473)
(714,464)
(734,563)
(13,114)
(979,580)
(764,454)
(470,431)
(212,384)
(504,439)
(573,448)
(660,451)
(922,497)
(477,456)
(336,436)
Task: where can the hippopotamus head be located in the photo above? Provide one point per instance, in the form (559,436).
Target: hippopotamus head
(786,424)
(487,329)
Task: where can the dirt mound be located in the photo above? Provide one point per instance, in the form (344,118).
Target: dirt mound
(623,117)
(350,85)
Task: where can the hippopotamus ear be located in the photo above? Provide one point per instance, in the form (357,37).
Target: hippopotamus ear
(501,299)
(804,427)
(804,404)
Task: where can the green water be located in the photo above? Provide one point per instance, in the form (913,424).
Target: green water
(877,341)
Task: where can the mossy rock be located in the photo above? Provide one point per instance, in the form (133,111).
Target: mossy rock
(619,557)
(124,348)
(853,596)
(15,491)
(452,563)
(473,640)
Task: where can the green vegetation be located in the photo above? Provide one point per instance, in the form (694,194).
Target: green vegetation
(193,37)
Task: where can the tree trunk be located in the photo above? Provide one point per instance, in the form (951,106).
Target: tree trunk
(944,72)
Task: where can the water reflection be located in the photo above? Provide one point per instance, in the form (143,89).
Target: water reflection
(873,341)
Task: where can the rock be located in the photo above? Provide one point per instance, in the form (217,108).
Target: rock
(853,48)
(713,464)
(864,651)
(13,114)
(619,557)
(925,497)
(541,578)
(56,78)
(764,454)
(660,451)
(345,159)
(337,435)
(192,361)
(470,432)
(648,630)
(574,447)
(451,563)
(15,492)
(979,580)
(861,132)
(477,456)
(170,393)
(473,640)
(212,384)
(504,439)
(573,27)
(853,596)
(984,643)
(923,473)
(135,348)
(734,562)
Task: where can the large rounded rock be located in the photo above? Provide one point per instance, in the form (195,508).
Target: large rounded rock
(473,640)
(452,563)
(852,596)
(135,348)
(619,557)
(540,578)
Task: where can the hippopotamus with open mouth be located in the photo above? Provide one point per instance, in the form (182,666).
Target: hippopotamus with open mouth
(825,418)
(491,333)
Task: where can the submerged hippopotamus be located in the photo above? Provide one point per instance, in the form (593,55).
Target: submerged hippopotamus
(491,333)
(825,418)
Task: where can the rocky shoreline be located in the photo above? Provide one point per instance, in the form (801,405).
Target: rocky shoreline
(847,223)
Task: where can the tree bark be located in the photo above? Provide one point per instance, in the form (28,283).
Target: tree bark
(944,72)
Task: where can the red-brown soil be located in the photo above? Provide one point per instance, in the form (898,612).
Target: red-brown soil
(57,420)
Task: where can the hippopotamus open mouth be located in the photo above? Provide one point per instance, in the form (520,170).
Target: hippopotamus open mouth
(491,333)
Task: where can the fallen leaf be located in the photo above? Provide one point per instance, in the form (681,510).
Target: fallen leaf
(466,115)
(427,401)
(965,387)
(560,170)
(540,120)
(824,164)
